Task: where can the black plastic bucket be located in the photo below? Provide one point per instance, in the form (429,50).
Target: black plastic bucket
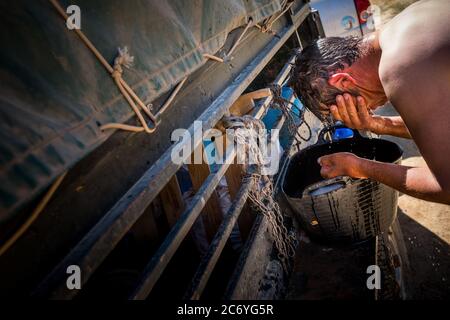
(341,209)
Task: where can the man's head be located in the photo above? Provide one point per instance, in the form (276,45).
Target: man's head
(329,67)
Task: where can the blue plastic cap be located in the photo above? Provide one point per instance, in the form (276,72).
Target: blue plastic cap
(343,133)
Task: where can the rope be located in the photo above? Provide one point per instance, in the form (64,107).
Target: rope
(309,132)
(285,106)
(264,30)
(123,59)
(171,97)
(212,57)
(236,43)
(280,103)
(261,194)
(34,215)
(267,26)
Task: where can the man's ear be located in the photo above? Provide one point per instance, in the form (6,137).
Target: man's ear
(342,81)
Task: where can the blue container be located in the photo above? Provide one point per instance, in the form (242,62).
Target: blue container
(343,133)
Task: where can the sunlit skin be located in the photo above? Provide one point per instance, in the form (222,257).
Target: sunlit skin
(408,65)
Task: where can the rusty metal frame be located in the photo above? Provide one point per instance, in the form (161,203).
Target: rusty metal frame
(91,251)
(215,249)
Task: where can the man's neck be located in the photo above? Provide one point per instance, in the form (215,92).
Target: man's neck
(365,71)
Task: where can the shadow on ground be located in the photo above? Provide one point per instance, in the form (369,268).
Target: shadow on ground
(322,272)
(331,273)
(428,274)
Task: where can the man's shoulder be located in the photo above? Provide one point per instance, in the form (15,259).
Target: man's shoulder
(417,31)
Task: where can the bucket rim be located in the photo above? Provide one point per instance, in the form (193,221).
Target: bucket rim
(321,145)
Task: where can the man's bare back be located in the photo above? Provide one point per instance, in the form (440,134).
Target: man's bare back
(415,73)
(420,29)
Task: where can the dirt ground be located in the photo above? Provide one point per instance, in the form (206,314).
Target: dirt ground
(323,272)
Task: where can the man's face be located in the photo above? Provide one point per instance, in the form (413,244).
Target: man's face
(371,104)
(345,83)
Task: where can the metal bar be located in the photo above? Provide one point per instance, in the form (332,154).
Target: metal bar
(162,257)
(208,263)
(247,216)
(157,265)
(90,252)
(315,15)
(261,221)
(257,246)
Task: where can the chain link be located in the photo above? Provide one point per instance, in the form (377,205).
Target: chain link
(261,194)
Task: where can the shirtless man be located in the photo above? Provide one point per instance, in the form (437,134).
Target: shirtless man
(406,63)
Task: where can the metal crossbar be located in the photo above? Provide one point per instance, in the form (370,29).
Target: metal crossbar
(91,251)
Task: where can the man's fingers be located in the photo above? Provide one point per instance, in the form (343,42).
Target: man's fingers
(323,160)
(319,161)
(325,167)
(351,111)
(326,160)
(325,173)
(362,109)
(343,110)
(335,112)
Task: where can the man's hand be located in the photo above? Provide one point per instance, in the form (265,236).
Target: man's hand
(355,114)
(416,182)
(341,164)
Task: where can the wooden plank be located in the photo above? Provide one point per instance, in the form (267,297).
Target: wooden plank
(172,201)
(246,103)
(234,177)
(212,213)
(145,230)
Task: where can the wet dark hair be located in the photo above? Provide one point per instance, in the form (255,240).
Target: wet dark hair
(315,64)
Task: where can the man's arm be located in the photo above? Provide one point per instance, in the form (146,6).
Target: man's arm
(393,126)
(355,114)
(416,182)
(417,84)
